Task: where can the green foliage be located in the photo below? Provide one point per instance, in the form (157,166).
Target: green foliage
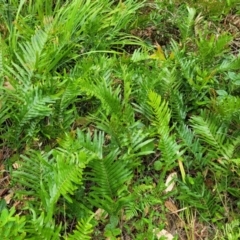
(12,225)
(94,120)
(83,230)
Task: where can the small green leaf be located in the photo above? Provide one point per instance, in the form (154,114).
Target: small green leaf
(158,165)
(221,92)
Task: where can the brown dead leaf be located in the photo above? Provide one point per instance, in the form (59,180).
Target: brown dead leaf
(3,191)
(171,206)
(8,197)
(1,155)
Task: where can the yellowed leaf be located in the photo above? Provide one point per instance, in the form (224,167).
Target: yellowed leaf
(158,54)
(170,182)
(16,165)
(8,86)
(99,214)
(171,56)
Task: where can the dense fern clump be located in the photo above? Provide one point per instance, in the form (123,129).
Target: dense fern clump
(114,125)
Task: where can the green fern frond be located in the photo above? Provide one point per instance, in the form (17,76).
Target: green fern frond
(83,230)
(143,195)
(108,176)
(50,176)
(71,90)
(232,230)
(33,174)
(170,151)
(136,141)
(91,144)
(213,133)
(162,113)
(103,90)
(12,226)
(66,176)
(35,107)
(30,58)
(190,143)
(178,107)
(167,143)
(41,228)
(228,107)
(1,60)
(186,25)
(230,64)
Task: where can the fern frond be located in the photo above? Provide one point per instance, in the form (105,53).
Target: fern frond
(83,230)
(169,151)
(232,64)
(144,197)
(48,179)
(232,229)
(178,107)
(103,90)
(109,176)
(161,112)
(66,176)
(213,133)
(187,24)
(167,143)
(1,60)
(136,141)
(41,228)
(34,108)
(228,107)
(12,226)
(30,58)
(70,92)
(33,174)
(191,144)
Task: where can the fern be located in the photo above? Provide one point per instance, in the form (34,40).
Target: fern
(39,227)
(161,113)
(12,225)
(178,107)
(49,179)
(213,133)
(231,230)
(30,60)
(33,108)
(91,145)
(109,98)
(141,197)
(191,145)
(83,230)
(71,90)
(1,60)
(167,143)
(228,107)
(109,176)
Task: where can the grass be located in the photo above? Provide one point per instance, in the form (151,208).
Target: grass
(119,119)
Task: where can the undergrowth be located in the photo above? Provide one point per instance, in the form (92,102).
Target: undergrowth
(119,120)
